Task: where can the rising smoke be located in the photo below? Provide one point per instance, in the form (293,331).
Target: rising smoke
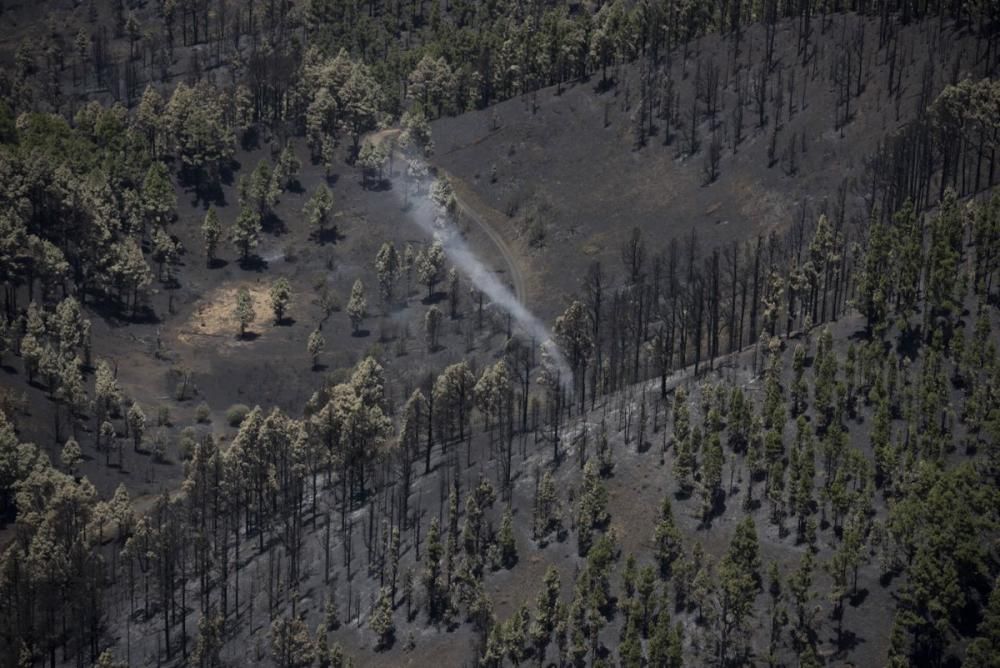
(433,220)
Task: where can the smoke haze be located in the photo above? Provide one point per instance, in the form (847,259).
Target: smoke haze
(431,218)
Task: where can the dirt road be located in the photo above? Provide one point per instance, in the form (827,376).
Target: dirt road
(480,213)
(488,219)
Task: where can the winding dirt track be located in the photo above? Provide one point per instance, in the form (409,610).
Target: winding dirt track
(479,212)
(475,209)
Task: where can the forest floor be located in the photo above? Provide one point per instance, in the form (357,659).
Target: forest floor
(641,477)
(570,185)
(563,168)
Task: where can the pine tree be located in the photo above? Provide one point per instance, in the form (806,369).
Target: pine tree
(433,583)
(605,462)
(381,621)
(331,620)
(944,256)
(339,658)
(319,211)
(260,192)
(546,517)
(408,593)
(245,233)
(321,647)
(286,172)
(984,651)
(740,421)
(357,305)
(158,198)
(71,328)
(630,650)
(165,252)
(547,603)
(645,588)
(430,267)
(105,660)
(387,265)
(432,328)
(572,332)
(629,576)
(908,256)
(666,643)
(711,483)
(667,539)
(506,541)
(800,588)
(899,647)
(739,581)
(71,456)
(394,548)
(777,611)
(315,346)
(211,233)
(208,642)
(291,645)
(136,424)
(454,293)
(800,390)
(281,299)
(684,466)
(874,282)
(592,506)
(244,310)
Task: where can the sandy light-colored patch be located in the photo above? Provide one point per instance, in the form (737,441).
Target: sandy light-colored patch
(213,320)
(763,205)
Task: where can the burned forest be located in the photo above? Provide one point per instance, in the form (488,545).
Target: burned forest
(623,333)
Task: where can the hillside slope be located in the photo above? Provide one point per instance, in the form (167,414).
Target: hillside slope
(564,165)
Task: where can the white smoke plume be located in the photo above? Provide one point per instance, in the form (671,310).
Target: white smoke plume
(432,219)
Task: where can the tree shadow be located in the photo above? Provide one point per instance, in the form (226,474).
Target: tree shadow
(250,139)
(227,171)
(604,85)
(603,653)
(115,313)
(378,185)
(909,341)
(38,383)
(858,597)
(217,263)
(860,335)
(328,236)
(206,191)
(360,333)
(435,297)
(253,263)
(273,224)
(248,336)
(284,322)
(847,640)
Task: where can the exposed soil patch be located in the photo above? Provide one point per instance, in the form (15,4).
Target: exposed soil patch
(213,317)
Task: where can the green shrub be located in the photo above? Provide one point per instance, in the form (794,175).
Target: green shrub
(186,445)
(236,414)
